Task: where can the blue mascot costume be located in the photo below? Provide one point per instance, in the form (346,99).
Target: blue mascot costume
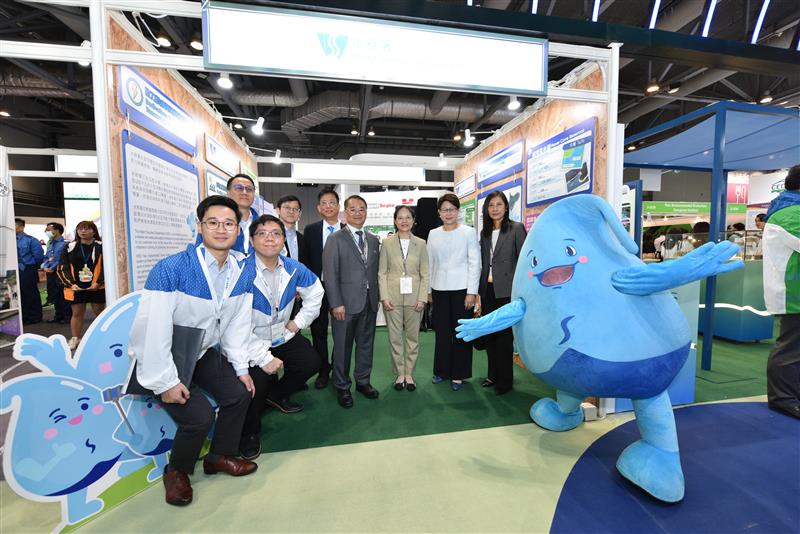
(591,319)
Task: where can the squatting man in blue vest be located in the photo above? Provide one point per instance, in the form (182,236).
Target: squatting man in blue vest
(202,290)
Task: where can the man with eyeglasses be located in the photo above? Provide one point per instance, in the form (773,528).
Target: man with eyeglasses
(274,339)
(242,189)
(202,291)
(316,235)
(350,269)
(289,210)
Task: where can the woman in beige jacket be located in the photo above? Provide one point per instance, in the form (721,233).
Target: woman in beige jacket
(403,284)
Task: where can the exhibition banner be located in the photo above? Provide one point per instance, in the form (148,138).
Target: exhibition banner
(561,166)
(765,187)
(357,49)
(216,184)
(146,105)
(221,157)
(161,196)
(465,187)
(686,208)
(10,313)
(505,163)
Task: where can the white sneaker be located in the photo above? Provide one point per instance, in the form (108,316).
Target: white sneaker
(73,343)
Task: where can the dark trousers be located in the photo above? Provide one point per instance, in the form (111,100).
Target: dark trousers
(300,362)
(55,294)
(453,357)
(195,418)
(499,346)
(358,328)
(319,338)
(783,365)
(29,294)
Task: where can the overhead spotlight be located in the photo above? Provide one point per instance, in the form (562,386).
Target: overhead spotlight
(631,147)
(371,132)
(513,103)
(468,139)
(197,44)
(85,44)
(238,125)
(673,88)
(652,87)
(457,137)
(277,158)
(783,103)
(354,130)
(766,98)
(224,81)
(442,162)
(163,41)
(258,127)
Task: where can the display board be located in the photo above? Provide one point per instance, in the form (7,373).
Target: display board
(380,207)
(505,163)
(221,157)
(10,311)
(561,166)
(215,184)
(161,196)
(513,193)
(465,187)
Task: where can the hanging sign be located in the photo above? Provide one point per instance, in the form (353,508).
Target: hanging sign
(221,157)
(465,186)
(505,163)
(216,184)
(362,50)
(146,105)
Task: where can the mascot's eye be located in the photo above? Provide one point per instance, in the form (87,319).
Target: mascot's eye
(149,404)
(117,353)
(84,406)
(534,262)
(571,250)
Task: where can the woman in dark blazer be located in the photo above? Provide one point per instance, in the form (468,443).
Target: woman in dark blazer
(501,243)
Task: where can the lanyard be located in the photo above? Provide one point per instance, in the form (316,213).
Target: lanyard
(491,248)
(402,255)
(217,299)
(87,257)
(273,289)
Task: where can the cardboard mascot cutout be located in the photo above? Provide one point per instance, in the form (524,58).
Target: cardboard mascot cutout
(591,319)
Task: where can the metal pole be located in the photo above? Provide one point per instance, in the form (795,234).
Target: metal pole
(719,179)
(613,149)
(99,31)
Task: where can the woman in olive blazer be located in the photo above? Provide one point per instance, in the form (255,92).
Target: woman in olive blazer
(501,243)
(403,284)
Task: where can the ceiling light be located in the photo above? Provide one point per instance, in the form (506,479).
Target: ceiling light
(783,103)
(457,137)
(654,14)
(238,126)
(258,127)
(277,158)
(5,113)
(354,130)
(196,44)
(766,98)
(163,42)
(652,87)
(85,44)
(224,81)
(712,5)
(442,162)
(468,139)
(631,147)
(371,132)
(513,103)
(674,88)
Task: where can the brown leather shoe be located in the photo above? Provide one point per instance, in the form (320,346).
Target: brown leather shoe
(179,489)
(235,467)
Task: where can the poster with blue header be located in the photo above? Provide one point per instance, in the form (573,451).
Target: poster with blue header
(561,166)
(505,163)
(146,105)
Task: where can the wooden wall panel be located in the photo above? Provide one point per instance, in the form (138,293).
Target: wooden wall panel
(120,39)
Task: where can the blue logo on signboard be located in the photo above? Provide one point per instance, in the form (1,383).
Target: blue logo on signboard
(777,187)
(332,45)
(135,92)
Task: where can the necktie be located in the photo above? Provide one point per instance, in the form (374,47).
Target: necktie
(330,230)
(360,235)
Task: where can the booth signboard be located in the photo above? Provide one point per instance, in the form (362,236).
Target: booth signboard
(561,166)
(362,50)
(244,169)
(10,317)
(687,208)
(465,187)
(146,105)
(216,184)
(765,187)
(161,195)
(221,157)
(467,213)
(505,163)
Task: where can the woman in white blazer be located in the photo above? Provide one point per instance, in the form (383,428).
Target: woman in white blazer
(403,284)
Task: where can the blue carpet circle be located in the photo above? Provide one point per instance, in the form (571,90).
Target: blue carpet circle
(741,462)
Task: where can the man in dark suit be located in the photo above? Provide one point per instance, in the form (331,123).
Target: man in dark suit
(316,235)
(350,275)
(289,210)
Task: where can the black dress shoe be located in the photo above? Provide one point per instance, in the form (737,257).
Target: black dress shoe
(285,405)
(303,387)
(250,447)
(501,391)
(399,386)
(411,386)
(322,381)
(51,321)
(345,398)
(368,391)
(792,410)
(487,383)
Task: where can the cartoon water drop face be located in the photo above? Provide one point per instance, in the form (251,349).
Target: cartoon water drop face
(154,430)
(590,318)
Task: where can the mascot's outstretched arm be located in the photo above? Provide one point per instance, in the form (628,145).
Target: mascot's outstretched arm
(708,260)
(500,319)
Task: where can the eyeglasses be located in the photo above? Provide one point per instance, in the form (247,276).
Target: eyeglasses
(356,211)
(213,224)
(328,203)
(448,210)
(290,210)
(243,188)
(263,234)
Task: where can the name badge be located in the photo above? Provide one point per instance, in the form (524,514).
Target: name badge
(277,334)
(405,285)
(85,274)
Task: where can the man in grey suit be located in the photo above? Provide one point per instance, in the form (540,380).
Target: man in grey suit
(350,275)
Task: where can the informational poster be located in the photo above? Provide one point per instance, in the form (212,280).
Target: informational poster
(561,166)
(465,187)
(221,157)
(505,163)
(513,192)
(466,214)
(146,105)
(216,184)
(161,196)
(10,316)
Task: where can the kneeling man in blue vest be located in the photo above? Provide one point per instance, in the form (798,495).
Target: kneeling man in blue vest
(207,322)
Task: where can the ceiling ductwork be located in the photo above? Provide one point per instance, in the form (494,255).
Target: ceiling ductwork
(17,84)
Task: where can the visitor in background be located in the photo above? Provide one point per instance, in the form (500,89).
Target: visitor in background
(55,291)
(454,258)
(501,243)
(242,189)
(29,257)
(403,282)
(289,210)
(80,271)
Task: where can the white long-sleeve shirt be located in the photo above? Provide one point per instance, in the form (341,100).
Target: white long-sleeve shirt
(454,259)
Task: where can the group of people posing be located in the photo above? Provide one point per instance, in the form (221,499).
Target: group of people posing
(252,282)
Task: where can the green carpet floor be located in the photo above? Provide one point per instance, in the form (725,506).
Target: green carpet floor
(738,370)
